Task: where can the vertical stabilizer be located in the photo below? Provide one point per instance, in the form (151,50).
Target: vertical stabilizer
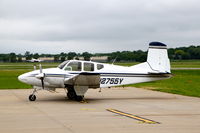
(158,57)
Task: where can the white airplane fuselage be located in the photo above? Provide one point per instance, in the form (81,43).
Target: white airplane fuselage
(110,75)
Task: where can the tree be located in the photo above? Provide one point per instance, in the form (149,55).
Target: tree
(86,56)
(186,56)
(5,57)
(115,56)
(56,58)
(179,54)
(12,57)
(196,53)
(36,56)
(19,58)
(63,56)
(28,55)
(171,53)
(71,55)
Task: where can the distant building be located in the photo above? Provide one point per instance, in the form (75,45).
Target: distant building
(100,58)
(47,59)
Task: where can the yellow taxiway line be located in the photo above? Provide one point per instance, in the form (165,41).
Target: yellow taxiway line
(133,116)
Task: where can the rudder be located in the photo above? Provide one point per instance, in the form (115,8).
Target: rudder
(158,57)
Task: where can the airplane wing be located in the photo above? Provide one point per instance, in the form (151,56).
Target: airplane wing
(91,80)
(83,81)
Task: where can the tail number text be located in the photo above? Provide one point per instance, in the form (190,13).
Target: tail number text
(111,80)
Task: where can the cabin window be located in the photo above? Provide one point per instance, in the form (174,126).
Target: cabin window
(99,66)
(73,66)
(88,66)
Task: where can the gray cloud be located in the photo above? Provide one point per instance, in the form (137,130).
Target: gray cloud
(50,26)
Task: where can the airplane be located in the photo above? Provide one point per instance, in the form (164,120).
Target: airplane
(34,60)
(77,76)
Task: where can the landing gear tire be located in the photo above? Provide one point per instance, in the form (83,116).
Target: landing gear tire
(71,95)
(79,98)
(32,97)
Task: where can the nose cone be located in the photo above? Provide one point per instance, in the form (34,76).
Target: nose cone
(22,78)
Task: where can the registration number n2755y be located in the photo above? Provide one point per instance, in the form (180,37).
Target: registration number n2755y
(111,80)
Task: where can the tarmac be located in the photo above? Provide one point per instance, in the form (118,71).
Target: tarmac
(54,113)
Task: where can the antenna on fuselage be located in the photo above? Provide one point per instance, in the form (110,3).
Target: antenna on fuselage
(114,60)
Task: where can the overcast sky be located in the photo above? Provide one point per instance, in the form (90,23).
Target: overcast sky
(54,26)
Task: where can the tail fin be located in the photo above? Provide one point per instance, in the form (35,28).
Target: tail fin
(158,57)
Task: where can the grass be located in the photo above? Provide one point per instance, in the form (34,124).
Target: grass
(8,79)
(174,64)
(25,66)
(185,64)
(184,82)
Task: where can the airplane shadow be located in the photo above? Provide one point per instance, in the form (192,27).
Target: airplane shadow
(93,100)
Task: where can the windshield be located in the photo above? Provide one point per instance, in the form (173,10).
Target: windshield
(62,64)
(73,66)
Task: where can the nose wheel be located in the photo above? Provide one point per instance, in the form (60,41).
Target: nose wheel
(32,97)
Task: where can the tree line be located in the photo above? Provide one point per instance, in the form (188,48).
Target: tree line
(180,53)
(13,57)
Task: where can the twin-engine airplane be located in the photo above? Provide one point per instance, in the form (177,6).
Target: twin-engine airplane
(34,60)
(78,76)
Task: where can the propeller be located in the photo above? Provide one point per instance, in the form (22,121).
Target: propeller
(41,76)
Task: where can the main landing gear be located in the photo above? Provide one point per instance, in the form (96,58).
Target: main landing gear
(71,94)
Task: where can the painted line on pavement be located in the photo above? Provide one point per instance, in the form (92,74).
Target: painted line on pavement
(144,120)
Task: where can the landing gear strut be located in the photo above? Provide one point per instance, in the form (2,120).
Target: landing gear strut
(71,94)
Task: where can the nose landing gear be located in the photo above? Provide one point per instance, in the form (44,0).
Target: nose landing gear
(32,97)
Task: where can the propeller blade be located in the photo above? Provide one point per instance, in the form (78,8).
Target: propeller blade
(34,67)
(42,81)
(40,68)
(41,76)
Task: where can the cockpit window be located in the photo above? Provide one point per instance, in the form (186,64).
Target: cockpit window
(61,66)
(99,66)
(73,66)
(88,66)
